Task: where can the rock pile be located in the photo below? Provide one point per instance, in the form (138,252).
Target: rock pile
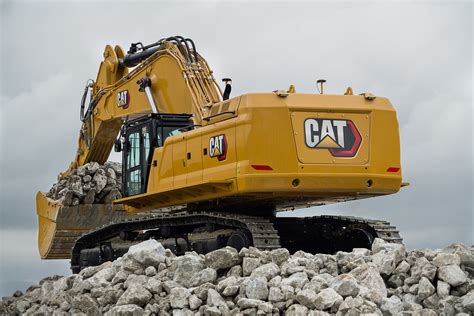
(150,280)
(88,184)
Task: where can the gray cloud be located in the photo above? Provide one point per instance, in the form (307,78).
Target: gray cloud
(419,55)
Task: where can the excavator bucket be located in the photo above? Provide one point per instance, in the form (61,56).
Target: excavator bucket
(60,226)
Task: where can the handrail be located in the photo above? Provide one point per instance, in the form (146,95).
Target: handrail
(207,119)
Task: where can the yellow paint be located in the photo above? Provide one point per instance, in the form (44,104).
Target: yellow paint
(268,130)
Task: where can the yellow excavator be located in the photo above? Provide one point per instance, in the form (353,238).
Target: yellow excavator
(202,170)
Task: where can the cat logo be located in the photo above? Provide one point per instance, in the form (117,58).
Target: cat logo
(123,99)
(340,137)
(218,147)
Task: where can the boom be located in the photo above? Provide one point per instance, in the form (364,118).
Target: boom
(171,77)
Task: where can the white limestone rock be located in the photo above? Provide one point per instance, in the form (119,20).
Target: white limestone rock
(423,267)
(452,274)
(280,255)
(442,289)
(296,310)
(368,276)
(248,303)
(399,250)
(296,280)
(194,302)
(268,271)
(345,285)
(222,258)
(100,180)
(204,276)
(446,259)
(275,294)
(468,301)
(179,297)
(125,310)
(307,298)
(249,264)
(134,279)
(391,306)
(230,290)
(327,298)
(187,267)
(135,294)
(85,304)
(425,288)
(257,288)
(227,282)
(403,267)
(147,253)
(215,299)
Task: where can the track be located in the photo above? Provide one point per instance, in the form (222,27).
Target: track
(325,234)
(329,234)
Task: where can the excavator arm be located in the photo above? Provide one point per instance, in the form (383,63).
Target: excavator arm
(171,77)
(168,76)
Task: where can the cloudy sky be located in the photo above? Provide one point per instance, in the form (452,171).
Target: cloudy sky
(419,55)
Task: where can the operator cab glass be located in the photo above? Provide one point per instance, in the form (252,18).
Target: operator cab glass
(141,136)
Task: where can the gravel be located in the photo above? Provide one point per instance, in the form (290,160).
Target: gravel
(151,280)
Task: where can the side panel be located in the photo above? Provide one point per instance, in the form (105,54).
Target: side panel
(194,157)
(179,161)
(265,144)
(385,143)
(161,172)
(218,143)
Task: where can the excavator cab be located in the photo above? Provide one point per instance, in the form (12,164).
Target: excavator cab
(139,137)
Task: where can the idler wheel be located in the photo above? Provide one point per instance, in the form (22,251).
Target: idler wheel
(239,240)
(355,237)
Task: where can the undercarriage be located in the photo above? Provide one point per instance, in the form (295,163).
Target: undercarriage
(207,231)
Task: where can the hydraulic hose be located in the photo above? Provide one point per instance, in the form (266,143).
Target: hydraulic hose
(188,51)
(194,49)
(89,85)
(133,59)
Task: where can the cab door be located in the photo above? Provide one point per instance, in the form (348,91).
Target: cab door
(180,168)
(194,157)
(136,159)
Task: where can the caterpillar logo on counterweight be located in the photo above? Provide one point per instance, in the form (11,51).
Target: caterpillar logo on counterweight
(218,147)
(340,137)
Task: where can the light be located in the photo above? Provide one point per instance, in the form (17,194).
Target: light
(262,167)
(393,169)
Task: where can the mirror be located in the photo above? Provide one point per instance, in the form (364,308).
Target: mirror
(118,146)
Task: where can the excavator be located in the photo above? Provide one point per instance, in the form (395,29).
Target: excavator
(203,170)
